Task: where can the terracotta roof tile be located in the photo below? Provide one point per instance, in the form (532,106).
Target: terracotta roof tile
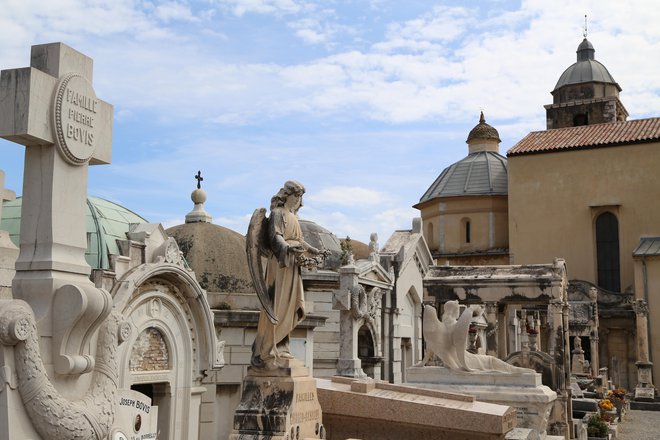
(588,136)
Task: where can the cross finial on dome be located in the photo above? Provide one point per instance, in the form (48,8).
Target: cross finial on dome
(482,119)
(584,31)
(198,196)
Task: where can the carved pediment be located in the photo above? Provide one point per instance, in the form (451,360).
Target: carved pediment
(373,274)
(580,290)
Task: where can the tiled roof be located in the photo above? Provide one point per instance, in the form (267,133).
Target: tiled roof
(588,136)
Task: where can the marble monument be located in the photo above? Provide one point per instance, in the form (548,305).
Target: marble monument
(279,398)
(486,377)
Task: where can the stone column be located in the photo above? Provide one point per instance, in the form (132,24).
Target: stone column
(349,364)
(492,335)
(502,333)
(593,336)
(644,390)
(558,349)
(555,322)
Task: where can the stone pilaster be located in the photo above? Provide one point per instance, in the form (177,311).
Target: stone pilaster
(492,329)
(644,389)
(349,364)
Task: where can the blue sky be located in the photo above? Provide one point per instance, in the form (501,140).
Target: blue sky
(365,102)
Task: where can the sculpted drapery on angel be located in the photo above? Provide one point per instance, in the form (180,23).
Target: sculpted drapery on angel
(279,239)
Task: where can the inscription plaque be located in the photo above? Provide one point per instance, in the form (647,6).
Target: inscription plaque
(75,108)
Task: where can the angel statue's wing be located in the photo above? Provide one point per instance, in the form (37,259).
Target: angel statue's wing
(460,336)
(256,245)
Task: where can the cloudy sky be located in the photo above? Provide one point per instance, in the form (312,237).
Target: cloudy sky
(365,102)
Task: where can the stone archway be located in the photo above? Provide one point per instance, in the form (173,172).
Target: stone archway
(367,350)
(162,351)
(170,345)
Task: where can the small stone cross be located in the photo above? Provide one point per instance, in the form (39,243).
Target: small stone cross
(199,179)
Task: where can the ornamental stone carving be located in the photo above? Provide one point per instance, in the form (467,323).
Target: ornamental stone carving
(365,305)
(640,307)
(358,302)
(52,415)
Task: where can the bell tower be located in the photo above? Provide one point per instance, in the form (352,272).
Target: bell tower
(585,94)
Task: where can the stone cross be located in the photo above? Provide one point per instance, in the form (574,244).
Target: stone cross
(51,108)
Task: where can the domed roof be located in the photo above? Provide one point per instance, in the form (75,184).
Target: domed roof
(321,238)
(483,131)
(216,254)
(478,174)
(106,222)
(586,69)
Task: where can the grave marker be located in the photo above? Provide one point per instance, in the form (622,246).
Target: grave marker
(51,108)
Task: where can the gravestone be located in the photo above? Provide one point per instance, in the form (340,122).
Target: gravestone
(51,108)
(136,418)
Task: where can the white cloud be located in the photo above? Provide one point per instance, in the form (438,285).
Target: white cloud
(441,25)
(241,7)
(348,196)
(173,11)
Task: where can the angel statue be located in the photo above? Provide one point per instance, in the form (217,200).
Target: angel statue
(447,338)
(279,239)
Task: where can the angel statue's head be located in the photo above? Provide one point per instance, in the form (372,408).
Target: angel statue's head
(290,189)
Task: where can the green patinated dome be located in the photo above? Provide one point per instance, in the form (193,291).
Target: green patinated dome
(106,223)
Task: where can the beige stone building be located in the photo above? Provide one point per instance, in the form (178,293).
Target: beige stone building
(589,179)
(582,190)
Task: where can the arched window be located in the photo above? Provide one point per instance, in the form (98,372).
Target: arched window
(607,252)
(468,231)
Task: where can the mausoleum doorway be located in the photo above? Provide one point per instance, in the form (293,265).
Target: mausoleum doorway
(170,345)
(367,350)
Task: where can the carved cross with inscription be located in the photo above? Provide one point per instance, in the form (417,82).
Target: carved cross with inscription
(51,108)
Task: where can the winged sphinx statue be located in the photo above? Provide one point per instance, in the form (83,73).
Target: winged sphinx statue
(279,240)
(447,339)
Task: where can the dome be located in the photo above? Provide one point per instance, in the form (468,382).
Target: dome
(106,223)
(586,69)
(321,238)
(483,131)
(216,254)
(478,174)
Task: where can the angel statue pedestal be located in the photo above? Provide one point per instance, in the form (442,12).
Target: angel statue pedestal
(279,399)
(278,405)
